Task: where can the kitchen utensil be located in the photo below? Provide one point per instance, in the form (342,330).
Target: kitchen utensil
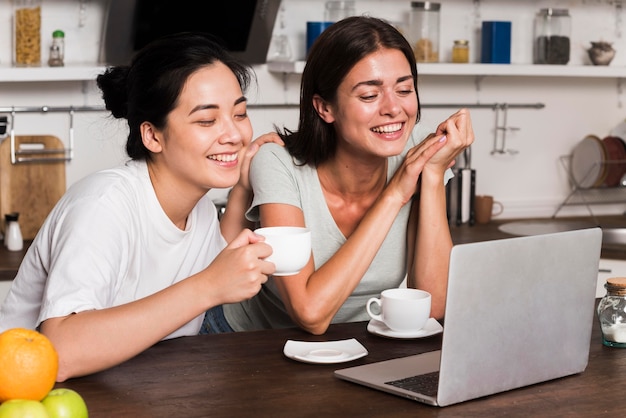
(32,188)
(615,151)
(587,164)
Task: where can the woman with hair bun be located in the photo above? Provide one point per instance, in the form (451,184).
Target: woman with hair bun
(135,254)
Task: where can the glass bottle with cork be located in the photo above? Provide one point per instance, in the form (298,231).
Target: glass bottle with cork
(612,313)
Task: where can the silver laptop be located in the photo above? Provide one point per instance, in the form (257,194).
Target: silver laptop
(519,311)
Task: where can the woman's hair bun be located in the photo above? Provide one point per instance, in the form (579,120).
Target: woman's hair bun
(113,84)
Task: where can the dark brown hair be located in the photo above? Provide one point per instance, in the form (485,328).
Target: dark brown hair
(339,48)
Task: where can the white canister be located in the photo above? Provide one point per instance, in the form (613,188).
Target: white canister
(13,233)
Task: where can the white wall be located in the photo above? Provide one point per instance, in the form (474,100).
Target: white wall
(529,183)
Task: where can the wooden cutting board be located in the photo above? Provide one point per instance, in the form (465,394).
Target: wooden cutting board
(32,188)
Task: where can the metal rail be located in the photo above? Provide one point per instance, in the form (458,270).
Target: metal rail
(18,156)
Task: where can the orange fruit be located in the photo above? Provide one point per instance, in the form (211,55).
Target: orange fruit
(29,365)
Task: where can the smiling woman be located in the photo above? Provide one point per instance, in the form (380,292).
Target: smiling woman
(135,254)
(360,175)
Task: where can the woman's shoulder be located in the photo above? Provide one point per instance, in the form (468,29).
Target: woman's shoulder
(272,157)
(129,174)
(272,150)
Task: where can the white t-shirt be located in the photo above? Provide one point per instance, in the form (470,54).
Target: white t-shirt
(108,242)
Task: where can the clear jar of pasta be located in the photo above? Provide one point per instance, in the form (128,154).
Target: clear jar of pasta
(26,33)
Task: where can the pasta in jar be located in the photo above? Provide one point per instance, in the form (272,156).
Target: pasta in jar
(27,33)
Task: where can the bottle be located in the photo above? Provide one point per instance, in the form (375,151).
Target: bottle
(612,313)
(460,51)
(337,10)
(423,31)
(26,33)
(13,233)
(57,49)
(552,36)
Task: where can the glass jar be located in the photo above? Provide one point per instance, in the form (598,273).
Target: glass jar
(337,10)
(612,313)
(57,49)
(460,51)
(26,33)
(552,36)
(423,31)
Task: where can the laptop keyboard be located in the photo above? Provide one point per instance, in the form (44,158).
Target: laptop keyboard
(424,383)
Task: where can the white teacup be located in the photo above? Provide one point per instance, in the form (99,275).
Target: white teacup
(291,248)
(402,309)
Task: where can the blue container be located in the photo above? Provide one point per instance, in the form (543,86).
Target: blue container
(496,43)
(313,30)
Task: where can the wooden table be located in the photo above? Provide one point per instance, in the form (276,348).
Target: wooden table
(246,374)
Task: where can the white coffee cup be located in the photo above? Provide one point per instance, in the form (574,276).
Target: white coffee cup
(291,248)
(402,309)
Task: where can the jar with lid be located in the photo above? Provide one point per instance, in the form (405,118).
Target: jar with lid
(460,51)
(57,49)
(423,30)
(26,33)
(336,10)
(13,233)
(612,313)
(552,36)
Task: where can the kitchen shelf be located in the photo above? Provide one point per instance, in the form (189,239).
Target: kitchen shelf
(89,72)
(9,74)
(522,70)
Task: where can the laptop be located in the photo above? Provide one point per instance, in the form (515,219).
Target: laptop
(519,311)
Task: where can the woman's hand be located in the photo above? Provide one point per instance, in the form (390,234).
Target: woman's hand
(404,181)
(459,136)
(238,272)
(244,177)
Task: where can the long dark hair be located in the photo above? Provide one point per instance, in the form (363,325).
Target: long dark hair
(331,57)
(147,90)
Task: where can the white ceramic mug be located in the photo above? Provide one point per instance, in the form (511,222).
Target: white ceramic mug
(402,309)
(291,248)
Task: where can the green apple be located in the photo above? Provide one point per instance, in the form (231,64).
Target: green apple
(22,408)
(64,403)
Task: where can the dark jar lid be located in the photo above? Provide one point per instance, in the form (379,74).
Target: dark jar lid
(11,217)
(425,5)
(554,12)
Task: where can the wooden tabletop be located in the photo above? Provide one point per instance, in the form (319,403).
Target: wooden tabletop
(246,374)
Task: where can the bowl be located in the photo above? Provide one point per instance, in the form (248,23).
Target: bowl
(601,53)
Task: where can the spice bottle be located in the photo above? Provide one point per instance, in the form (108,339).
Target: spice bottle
(26,33)
(460,51)
(13,233)
(423,31)
(612,313)
(552,36)
(57,49)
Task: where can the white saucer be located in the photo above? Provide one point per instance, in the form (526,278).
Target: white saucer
(432,327)
(325,352)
